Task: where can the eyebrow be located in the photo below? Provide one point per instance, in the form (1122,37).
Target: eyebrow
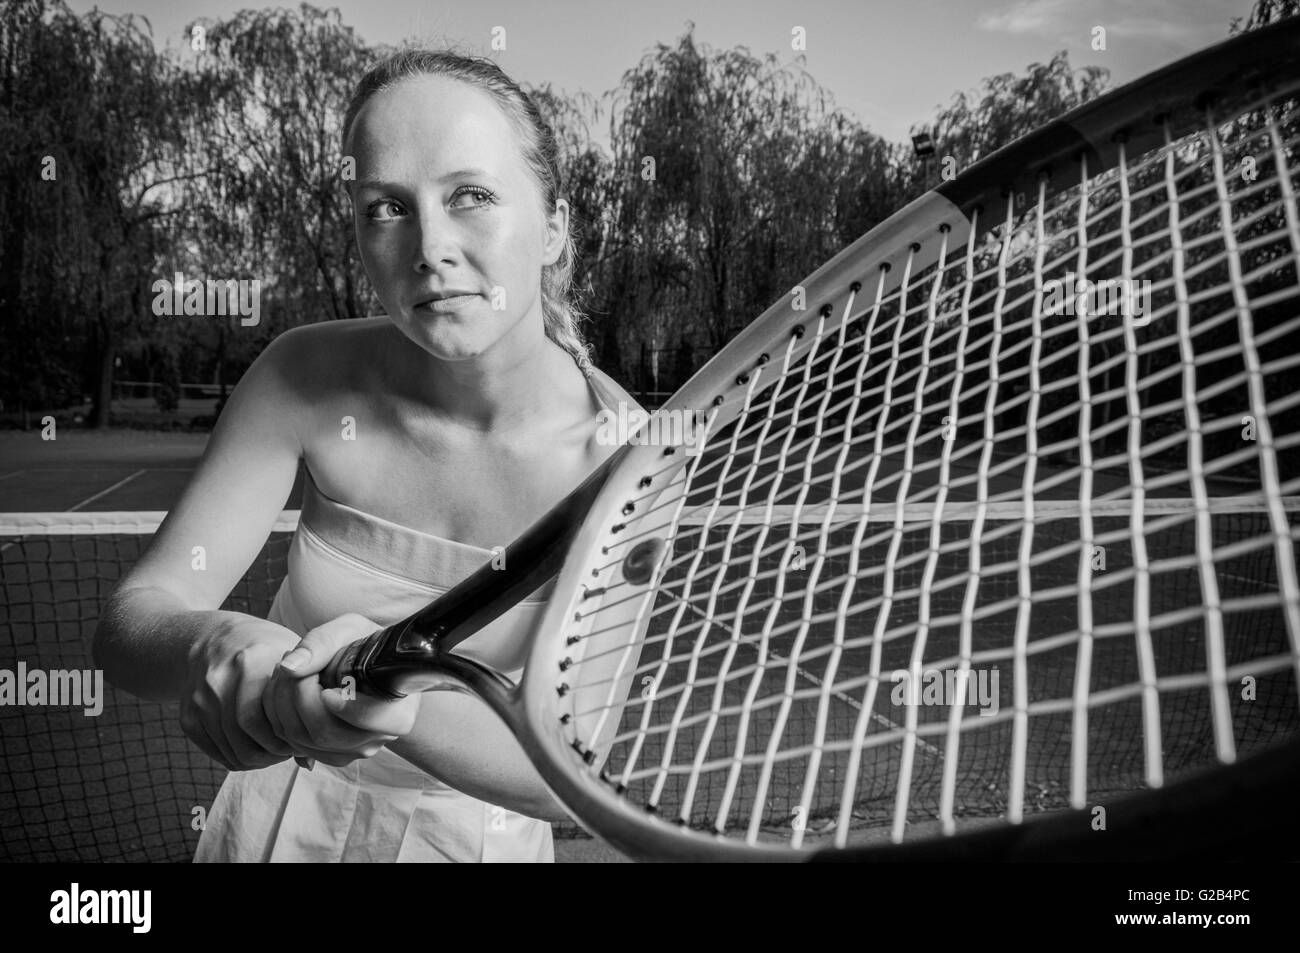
(456,174)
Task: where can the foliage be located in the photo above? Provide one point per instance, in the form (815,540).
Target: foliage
(728,177)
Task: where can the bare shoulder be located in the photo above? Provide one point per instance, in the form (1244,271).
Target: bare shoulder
(327,348)
(611,403)
(312,373)
(309,365)
(614,392)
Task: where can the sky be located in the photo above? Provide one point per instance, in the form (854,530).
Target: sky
(890,63)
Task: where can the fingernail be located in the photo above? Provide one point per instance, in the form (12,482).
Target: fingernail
(305,763)
(295,660)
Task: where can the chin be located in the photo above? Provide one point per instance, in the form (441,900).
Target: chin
(450,344)
(457,337)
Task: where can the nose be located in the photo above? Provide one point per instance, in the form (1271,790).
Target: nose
(435,240)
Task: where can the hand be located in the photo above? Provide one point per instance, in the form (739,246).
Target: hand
(334,725)
(221,706)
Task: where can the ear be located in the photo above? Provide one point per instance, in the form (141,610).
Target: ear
(556,228)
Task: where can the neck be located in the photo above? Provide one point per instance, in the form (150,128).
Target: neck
(503,389)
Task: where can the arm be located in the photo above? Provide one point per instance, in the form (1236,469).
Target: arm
(161,635)
(164,608)
(461,742)
(449,735)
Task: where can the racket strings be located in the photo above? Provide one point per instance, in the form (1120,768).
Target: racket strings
(902,631)
(705,628)
(1116,578)
(1001,539)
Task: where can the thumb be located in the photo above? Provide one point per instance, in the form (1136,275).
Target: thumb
(318,646)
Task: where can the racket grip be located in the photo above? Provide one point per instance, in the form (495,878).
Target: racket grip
(339,668)
(341,665)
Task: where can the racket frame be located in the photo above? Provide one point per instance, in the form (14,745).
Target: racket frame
(1136,116)
(417,652)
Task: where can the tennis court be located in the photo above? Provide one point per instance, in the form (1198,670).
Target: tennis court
(123,785)
(820,553)
(126,785)
(842,681)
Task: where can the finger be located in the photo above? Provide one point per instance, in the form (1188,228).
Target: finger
(281,697)
(207,742)
(241,707)
(198,717)
(199,738)
(269,709)
(339,759)
(246,749)
(391,718)
(273,700)
(252,718)
(328,732)
(320,645)
(271,712)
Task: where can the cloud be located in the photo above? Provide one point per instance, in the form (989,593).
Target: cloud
(1153,21)
(1029,16)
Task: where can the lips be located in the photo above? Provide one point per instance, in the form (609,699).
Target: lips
(445,302)
(442,296)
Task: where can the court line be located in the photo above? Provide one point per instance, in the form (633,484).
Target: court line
(6,476)
(925,746)
(83,469)
(88,501)
(91,499)
(106,522)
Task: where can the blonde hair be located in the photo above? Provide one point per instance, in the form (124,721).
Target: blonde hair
(541,154)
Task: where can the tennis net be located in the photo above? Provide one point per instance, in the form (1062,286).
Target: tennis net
(126,784)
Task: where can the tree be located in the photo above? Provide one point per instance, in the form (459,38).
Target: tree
(1263,13)
(90,108)
(729,173)
(1006,107)
(275,149)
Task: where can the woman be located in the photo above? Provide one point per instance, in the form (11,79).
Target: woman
(430,436)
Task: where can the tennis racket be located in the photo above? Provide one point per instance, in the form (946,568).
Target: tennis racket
(980,543)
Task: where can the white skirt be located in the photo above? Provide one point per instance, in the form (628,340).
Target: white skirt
(377,810)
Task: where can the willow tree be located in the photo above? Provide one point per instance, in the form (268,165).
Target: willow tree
(586,174)
(273,207)
(88,111)
(1263,13)
(1007,106)
(727,174)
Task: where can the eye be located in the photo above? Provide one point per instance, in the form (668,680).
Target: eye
(479,197)
(383,210)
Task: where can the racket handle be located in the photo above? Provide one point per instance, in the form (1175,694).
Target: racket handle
(341,665)
(339,668)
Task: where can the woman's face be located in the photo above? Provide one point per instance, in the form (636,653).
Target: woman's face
(446,209)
